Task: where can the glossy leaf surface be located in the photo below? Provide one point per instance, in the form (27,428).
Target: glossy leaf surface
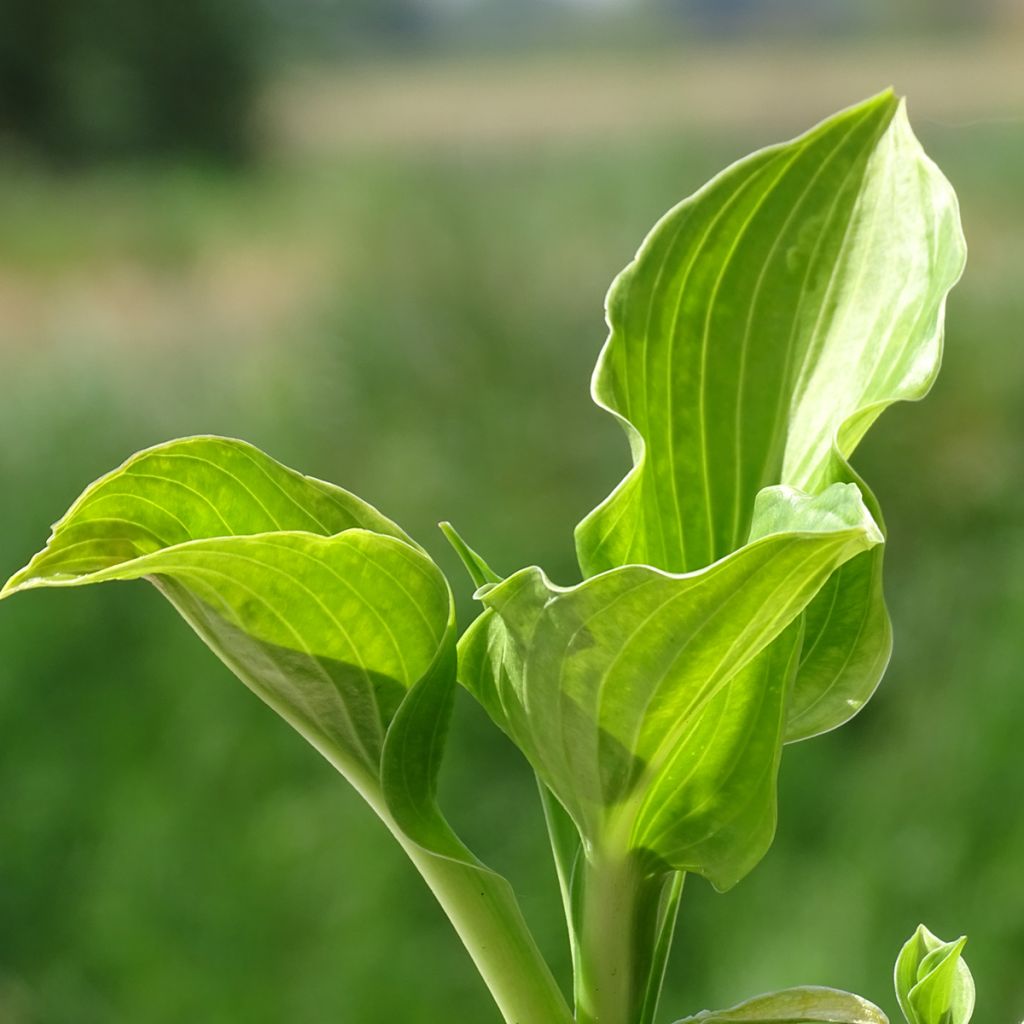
(618,689)
(315,600)
(764,325)
(337,620)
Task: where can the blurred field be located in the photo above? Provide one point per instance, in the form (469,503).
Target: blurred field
(406,298)
(554,96)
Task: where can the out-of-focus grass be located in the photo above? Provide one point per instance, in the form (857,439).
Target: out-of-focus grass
(419,325)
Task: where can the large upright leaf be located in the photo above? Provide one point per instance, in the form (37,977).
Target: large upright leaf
(619,689)
(764,325)
(319,603)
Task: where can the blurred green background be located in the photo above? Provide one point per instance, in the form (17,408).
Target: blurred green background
(373,238)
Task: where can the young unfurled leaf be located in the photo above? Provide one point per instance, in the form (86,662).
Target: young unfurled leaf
(618,689)
(764,325)
(319,603)
(933,983)
(805,1005)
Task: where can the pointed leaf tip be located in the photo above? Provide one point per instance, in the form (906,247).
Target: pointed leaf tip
(479,571)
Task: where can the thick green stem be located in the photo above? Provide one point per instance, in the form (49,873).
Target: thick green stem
(479,903)
(627,916)
(485,914)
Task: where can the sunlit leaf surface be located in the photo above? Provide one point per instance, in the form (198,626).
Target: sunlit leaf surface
(618,688)
(313,598)
(764,325)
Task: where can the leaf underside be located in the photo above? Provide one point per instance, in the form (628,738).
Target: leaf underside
(321,605)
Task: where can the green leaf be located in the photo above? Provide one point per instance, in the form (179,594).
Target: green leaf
(620,690)
(933,983)
(412,754)
(805,1005)
(337,620)
(479,571)
(320,604)
(764,325)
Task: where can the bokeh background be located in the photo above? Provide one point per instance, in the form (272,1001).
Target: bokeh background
(373,237)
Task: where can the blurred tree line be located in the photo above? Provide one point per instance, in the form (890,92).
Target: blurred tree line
(112,78)
(83,82)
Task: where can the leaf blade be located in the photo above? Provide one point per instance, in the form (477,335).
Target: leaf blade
(764,325)
(298,586)
(190,488)
(601,684)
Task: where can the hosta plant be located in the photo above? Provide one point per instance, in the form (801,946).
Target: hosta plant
(731,595)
